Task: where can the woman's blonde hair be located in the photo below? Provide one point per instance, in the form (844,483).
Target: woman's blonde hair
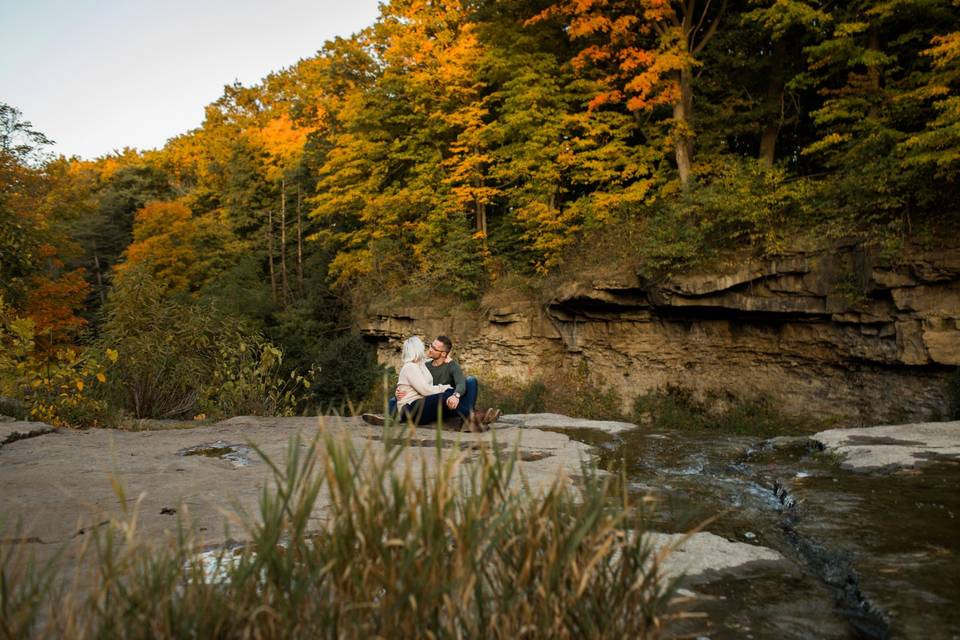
(413,350)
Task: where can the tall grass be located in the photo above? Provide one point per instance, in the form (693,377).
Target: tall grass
(449,546)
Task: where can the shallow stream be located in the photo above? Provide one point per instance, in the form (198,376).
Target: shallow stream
(876,555)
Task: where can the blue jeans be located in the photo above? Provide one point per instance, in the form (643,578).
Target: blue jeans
(433,408)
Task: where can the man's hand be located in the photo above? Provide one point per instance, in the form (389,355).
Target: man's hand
(399,393)
(453,402)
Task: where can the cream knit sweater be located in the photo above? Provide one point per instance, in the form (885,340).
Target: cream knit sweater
(416,382)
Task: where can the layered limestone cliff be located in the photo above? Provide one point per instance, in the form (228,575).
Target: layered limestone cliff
(839,332)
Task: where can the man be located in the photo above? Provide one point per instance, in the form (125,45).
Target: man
(458,401)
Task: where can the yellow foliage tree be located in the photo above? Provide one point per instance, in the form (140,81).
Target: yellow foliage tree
(183,252)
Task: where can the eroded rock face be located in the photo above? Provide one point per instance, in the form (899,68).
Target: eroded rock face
(839,332)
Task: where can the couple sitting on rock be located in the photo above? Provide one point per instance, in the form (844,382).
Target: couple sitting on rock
(435,392)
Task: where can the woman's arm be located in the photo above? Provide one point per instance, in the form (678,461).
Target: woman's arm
(413,375)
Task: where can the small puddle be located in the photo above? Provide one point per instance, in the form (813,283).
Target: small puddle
(858,440)
(216,563)
(534,456)
(238,455)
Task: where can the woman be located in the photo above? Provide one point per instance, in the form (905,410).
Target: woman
(421,401)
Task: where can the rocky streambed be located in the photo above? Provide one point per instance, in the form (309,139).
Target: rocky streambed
(848,534)
(868,520)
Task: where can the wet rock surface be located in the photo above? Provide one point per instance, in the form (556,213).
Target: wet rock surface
(238,455)
(873,555)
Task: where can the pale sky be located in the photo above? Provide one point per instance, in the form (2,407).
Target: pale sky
(99,75)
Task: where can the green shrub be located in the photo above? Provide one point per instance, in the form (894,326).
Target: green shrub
(63,389)
(166,347)
(380,392)
(576,393)
(177,357)
(512,396)
(345,364)
(246,379)
(348,369)
(533,396)
(671,408)
(675,407)
(407,549)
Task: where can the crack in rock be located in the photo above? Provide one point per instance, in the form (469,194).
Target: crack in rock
(19,430)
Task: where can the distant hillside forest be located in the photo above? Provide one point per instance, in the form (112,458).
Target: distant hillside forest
(446,147)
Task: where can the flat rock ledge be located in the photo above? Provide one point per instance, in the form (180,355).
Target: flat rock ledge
(894,446)
(558,421)
(19,430)
(59,487)
(704,557)
(57,484)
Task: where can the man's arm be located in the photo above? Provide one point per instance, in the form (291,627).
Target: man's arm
(460,384)
(459,380)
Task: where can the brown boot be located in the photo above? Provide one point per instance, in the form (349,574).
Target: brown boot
(492,415)
(475,423)
(374,419)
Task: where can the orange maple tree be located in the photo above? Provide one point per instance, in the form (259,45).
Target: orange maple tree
(647,51)
(53,302)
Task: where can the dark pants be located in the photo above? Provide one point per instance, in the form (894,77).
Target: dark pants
(433,408)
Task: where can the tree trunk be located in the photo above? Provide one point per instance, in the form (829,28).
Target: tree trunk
(480,210)
(96,270)
(774,107)
(683,135)
(691,27)
(273,275)
(283,240)
(299,242)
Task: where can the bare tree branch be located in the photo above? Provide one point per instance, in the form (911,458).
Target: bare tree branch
(713,28)
(703,16)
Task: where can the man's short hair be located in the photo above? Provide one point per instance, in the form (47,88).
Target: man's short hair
(447,343)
